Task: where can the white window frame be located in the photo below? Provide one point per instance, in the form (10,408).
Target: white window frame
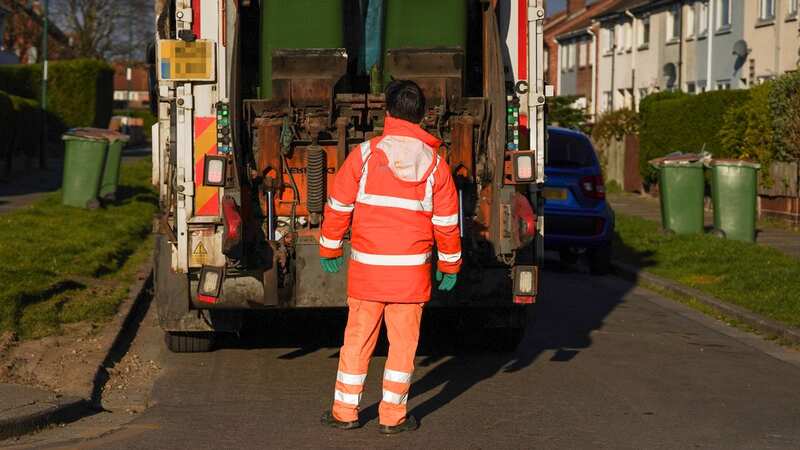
(673,25)
(691,21)
(642,38)
(791,8)
(573,57)
(702,29)
(766,10)
(562,57)
(583,54)
(719,16)
(607,36)
(628,29)
(619,38)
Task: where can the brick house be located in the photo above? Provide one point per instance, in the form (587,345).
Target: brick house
(21,30)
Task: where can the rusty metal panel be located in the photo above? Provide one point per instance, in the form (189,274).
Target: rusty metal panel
(439,71)
(306,77)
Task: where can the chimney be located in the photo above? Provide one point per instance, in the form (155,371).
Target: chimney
(575,5)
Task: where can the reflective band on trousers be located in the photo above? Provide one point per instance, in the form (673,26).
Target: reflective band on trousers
(445,220)
(336,205)
(397,399)
(390,260)
(396,376)
(329,243)
(350,399)
(449,257)
(349,378)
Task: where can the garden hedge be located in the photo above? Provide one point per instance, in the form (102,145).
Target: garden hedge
(80,91)
(680,122)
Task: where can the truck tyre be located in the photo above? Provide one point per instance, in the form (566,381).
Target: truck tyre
(600,260)
(183,342)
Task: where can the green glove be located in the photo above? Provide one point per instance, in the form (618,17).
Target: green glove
(448,280)
(331,265)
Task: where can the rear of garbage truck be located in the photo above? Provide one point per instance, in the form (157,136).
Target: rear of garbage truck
(259,103)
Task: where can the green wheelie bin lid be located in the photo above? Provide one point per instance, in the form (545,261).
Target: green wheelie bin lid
(85,154)
(734,191)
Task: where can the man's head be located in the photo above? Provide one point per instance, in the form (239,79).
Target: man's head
(404,100)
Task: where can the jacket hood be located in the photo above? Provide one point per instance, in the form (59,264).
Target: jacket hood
(409,150)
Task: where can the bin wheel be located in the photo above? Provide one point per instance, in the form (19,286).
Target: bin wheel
(93,204)
(668,232)
(716,232)
(182,342)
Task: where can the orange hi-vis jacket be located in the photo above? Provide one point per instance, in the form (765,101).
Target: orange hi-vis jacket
(401,197)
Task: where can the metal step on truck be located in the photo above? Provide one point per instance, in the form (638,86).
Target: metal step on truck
(259,103)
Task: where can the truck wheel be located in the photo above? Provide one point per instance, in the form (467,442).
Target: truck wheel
(600,260)
(181,342)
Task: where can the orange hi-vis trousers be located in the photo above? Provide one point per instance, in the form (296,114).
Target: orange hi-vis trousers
(360,337)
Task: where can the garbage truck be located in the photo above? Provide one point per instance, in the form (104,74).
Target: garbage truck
(259,103)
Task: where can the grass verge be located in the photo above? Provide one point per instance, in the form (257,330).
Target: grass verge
(65,265)
(752,276)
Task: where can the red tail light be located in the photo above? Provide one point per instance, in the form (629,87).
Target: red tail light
(593,187)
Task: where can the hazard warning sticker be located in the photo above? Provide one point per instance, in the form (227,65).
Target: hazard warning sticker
(206,248)
(199,255)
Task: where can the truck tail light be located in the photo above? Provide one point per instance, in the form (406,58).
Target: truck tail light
(593,186)
(215,170)
(525,284)
(523,166)
(210,286)
(232,235)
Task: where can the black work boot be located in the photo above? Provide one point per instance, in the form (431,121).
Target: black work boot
(328,420)
(410,424)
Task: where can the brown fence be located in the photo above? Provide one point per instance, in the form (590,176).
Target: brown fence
(781,195)
(620,160)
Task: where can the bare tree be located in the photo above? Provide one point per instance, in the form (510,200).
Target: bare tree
(106,29)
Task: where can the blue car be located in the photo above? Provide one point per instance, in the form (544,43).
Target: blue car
(577,218)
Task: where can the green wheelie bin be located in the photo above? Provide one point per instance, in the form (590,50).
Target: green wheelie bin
(111,171)
(682,189)
(734,187)
(84,161)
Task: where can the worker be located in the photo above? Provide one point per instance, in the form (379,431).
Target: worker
(401,197)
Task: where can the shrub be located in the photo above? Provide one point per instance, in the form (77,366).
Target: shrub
(615,125)
(562,112)
(784,104)
(681,122)
(747,131)
(80,92)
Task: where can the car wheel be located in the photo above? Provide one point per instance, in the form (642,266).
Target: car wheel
(182,342)
(600,260)
(567,256)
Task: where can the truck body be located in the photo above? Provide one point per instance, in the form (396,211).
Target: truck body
(259,103)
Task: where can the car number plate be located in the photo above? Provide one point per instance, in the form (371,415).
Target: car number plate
(555,193)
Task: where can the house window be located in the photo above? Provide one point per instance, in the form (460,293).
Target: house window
(562,53)
(723,14)
(643,93)
(546,60)
(792,8)
(673,25)
(766,10)
(703,20)
(691,88)
(690,21)
(628,35)
(573,58)
(643,40)
(584,54)
(723,85)
(607,101)
(608,40)
(619,36)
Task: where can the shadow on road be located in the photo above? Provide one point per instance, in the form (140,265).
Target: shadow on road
(558,329)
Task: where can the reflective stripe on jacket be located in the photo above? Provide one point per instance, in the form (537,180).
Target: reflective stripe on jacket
(398,207)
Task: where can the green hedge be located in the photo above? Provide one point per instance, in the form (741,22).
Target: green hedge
(26,136)
(80,91)
(784,106)
(673,122)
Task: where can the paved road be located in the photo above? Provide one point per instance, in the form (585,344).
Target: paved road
(603,364)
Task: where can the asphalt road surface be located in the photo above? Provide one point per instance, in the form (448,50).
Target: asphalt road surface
(603,364)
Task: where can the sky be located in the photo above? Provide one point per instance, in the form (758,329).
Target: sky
(554,6)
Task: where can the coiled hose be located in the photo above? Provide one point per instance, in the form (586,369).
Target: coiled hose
(315,179)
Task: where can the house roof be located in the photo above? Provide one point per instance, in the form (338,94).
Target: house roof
(581,23)
(634,6)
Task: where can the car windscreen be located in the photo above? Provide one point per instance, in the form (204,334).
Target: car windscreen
(566,150)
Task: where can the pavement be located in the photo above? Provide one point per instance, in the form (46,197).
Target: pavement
(603,364)
(648,207)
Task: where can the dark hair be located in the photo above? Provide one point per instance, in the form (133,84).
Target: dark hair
(405,100)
